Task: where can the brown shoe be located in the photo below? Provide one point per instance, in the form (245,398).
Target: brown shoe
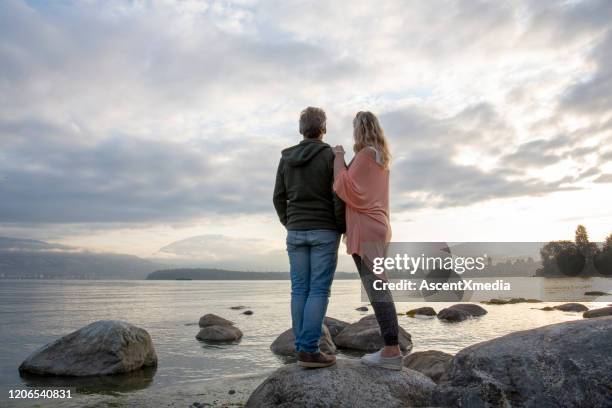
(315,360)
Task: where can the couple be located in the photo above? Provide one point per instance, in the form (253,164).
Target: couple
(313,183)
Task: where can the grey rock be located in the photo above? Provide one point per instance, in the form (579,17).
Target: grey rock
(335,326)
(601,312)
(453,315)
(432,363)
(596,293)
(566,364)
(461,312)
(100,348)
(219,333)
(571,307)
(240,307)
(365,336)
(214,320)
(348,384)
(284,344)
(248,312)
(362,309)
(421,311)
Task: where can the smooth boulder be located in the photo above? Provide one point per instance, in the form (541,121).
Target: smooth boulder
(214,320)
(364,335)
(571,307)
(566,364)
(284,344)
(432,363)
(421,311)
(602,312)
(348,384)
(100,348)
(219,333)
(216,328)
(335,326)
(461,312)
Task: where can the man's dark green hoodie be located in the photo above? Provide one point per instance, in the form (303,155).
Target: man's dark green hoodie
(303,195)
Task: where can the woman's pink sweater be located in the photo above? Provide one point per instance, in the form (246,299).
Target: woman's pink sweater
(364,187)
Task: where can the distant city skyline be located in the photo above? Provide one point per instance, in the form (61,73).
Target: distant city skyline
(154,128)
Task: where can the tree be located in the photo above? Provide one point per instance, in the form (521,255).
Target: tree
(603,259)
(588,249)
(607,246)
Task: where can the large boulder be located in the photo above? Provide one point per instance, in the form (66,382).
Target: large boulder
(571,307)
(365,336)
(461,312)
(100,348)
(284,344)
(566,364)
(432,363)
(217,329)
(348,384)
(219,333)
(421,311)
(604,311)
(335,326)
(214,320)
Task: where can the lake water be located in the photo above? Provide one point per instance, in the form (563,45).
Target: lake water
(33,313)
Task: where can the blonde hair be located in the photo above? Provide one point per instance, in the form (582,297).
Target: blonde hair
(368,132)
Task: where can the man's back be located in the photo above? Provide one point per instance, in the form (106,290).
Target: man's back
(303,194)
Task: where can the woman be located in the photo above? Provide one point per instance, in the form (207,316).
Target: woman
(364,187)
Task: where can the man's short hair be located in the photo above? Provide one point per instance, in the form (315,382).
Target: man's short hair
(313,122)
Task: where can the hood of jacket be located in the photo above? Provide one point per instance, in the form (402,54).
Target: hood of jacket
(304,152)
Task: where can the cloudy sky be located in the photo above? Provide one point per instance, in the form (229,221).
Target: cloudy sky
(154,127)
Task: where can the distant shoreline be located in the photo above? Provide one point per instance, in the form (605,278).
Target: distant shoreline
(189,274)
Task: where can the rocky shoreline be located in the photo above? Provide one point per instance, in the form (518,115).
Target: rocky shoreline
(567,364)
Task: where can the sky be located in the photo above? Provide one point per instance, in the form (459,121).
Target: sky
(154,128)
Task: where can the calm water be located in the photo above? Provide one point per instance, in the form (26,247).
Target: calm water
(33,313)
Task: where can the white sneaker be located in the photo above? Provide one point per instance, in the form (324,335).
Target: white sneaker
(377,360)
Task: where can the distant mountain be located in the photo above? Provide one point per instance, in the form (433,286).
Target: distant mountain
(31,259)
(221,274)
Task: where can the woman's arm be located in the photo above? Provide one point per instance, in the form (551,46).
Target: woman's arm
(348,183)
(339,163)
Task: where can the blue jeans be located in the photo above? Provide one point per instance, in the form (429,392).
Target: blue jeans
(313,255)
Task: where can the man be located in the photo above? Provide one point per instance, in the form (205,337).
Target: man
(314,217)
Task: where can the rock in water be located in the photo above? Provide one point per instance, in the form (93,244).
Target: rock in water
(604,311)
(348,384)
(219,333)
(100,348)
(432,363)
(362,309)
(453,315)
(421,311)
(571,307)
(335,326)
(284,344)
(461,312)
(566,364)
(214,320)
(365,336)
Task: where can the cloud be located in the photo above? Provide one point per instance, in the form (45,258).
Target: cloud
(142,113)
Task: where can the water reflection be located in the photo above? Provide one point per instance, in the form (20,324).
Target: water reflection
(103,384)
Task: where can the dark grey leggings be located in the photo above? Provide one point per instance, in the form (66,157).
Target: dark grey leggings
(382,302)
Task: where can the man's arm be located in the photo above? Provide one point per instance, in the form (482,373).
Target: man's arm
(339,206)
(280,195)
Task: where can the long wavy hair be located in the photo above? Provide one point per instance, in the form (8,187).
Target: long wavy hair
(368,132)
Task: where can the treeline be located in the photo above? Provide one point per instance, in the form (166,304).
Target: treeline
(577,258)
